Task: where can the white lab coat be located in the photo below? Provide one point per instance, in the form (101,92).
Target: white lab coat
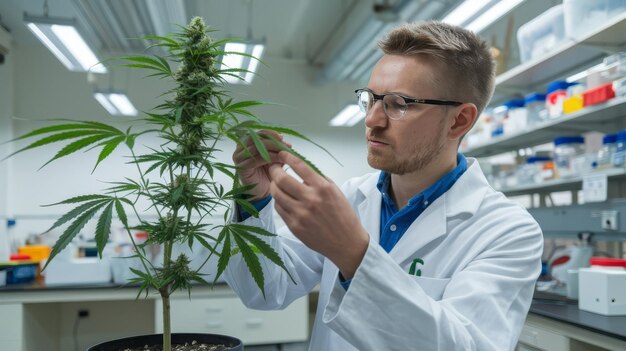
(481,254)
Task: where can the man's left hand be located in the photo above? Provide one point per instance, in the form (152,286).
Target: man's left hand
(318,213)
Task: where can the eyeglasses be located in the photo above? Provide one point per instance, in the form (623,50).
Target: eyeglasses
(394,105)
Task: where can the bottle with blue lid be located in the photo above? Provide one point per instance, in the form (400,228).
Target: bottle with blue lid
(620,150)
(605,155)
(536,108)
(566,148)
(536,170)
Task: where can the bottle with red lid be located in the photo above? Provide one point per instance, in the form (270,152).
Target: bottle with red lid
(607,263)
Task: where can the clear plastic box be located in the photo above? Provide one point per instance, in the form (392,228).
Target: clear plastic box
(584,16)
(542,34)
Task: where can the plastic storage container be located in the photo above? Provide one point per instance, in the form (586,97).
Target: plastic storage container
(515,118)
(619,87)
(556,95)
(598,95)
(535,108)
(566,149)
(542,34)
(536,170)
(605,155)
(620,150)
(584,16)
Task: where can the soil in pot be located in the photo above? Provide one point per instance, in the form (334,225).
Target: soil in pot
(180,342)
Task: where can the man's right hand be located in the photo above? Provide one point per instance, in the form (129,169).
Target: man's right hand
(253,169)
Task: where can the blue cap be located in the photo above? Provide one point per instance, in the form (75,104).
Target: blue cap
(621,136)
(535,97)
(609,139)
(515,103)
(536,159)
(11,222)
(559,85)
(571,140)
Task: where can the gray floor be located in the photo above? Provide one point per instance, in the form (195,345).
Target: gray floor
(300,346)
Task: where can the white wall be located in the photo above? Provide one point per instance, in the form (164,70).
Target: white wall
(6,110)
(44,89)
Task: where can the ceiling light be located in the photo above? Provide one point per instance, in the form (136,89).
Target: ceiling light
(116,103)
(492,14)
(465,11)
(235,61)
(65,42)
(349,116)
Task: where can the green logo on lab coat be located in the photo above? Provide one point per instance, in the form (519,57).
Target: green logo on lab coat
(413,269)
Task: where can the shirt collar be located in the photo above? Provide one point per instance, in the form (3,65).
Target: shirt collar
(431,193)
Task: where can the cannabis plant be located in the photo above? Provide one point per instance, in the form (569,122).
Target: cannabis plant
(197,114)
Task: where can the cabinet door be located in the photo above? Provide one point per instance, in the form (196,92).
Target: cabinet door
(541,339)
(11,326)
(227,315)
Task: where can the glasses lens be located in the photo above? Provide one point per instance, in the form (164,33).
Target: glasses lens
(364,100)
(395,107)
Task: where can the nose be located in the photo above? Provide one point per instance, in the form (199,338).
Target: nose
(376,117)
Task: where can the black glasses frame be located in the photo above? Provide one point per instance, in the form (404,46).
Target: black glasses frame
(409,100)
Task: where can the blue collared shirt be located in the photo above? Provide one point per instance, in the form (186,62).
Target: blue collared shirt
(393,222)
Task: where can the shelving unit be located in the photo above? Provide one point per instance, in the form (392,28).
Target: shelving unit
(570,55)
(605,117)
(533,76)
(562,184)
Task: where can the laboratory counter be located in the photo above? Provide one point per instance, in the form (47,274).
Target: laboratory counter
(613,326)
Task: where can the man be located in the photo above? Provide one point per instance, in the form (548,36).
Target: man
(423,255)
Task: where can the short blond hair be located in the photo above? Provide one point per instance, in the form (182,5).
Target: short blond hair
(467,64)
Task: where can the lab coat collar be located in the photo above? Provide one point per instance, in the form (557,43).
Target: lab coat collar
(465,196)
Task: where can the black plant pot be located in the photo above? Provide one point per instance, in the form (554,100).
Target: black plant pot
(232,344)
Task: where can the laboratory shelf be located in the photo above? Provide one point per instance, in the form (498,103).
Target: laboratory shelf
(570,55)
(605,117)
(561,184)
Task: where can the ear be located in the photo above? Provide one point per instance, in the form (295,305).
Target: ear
(464,117)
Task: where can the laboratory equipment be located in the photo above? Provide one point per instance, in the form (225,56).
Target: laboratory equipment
(601,287)
(583,16)
(620,150)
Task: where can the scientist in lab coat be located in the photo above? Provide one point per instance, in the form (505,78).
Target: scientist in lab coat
(422,255)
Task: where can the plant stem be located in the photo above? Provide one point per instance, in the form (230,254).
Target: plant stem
(167,326)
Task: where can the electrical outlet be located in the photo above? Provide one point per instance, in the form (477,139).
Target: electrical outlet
(609,220)
(82,313)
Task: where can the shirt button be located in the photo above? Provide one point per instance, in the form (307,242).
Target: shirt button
(393,227)
(425,203)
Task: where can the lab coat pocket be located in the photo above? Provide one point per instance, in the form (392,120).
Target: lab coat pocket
(434,287)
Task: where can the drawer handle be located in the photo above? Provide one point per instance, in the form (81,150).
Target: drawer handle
(211,325)
(213,309)
(254,322)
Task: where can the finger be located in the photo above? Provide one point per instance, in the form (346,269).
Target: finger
(287,183)
(308,174)
(257,161)
(283,199)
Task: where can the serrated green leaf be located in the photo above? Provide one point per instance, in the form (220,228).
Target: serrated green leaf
(225,256)
(72,230)
(265,250)
(56,138)
(252,262)
(253,229)
(119,209)
(259,145)
(103,228)
(75,212)
(108,148)
(50,129)
(75,146)
(81,198)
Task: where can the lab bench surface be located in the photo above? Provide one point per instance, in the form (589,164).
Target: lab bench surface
(613,326)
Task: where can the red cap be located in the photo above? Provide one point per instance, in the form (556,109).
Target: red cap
(606,261)
(19,257)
